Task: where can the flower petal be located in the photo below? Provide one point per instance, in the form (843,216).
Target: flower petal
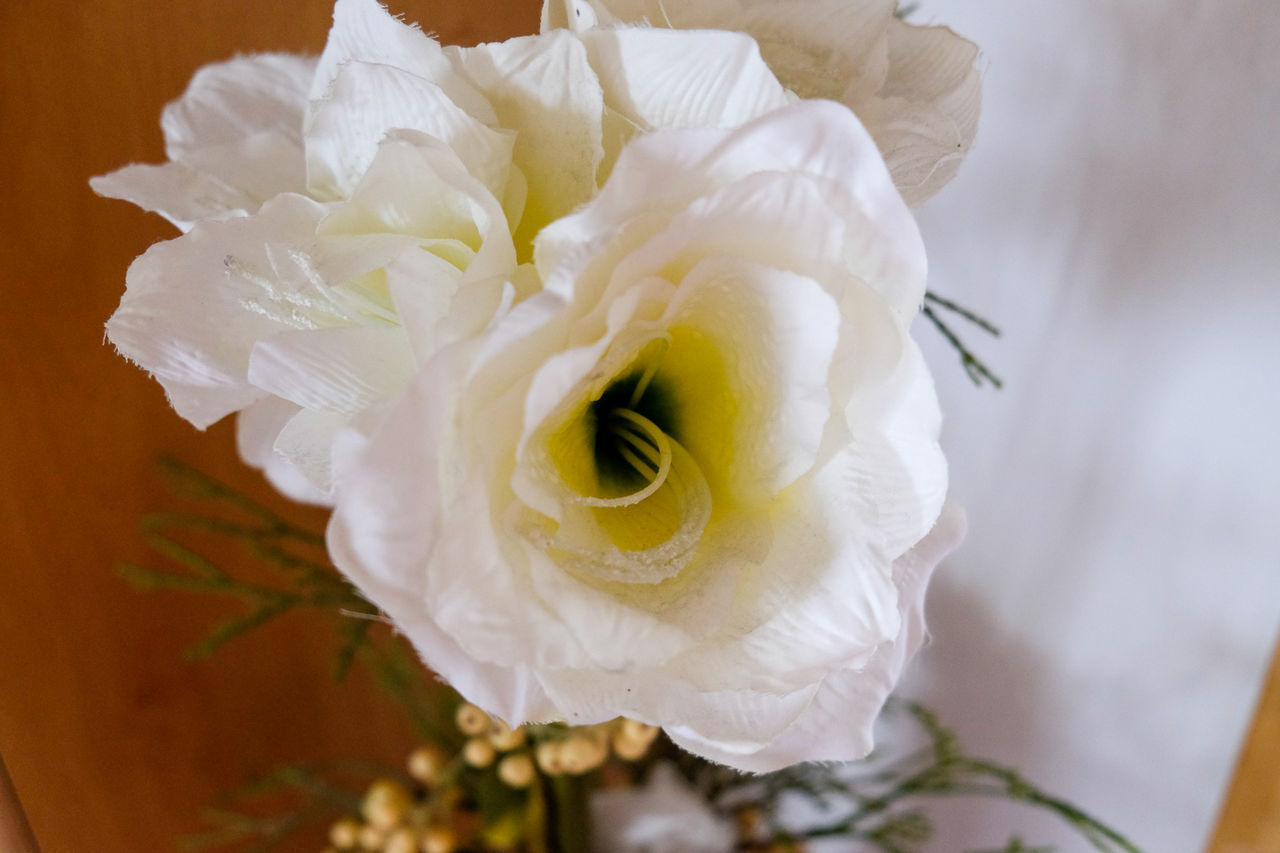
(257,428)
(929,117)
(194,307)
(365,101)
(343,370)
(179,193)
(837,725)
(228,102)
(670,78)
(543,88)
(364,31)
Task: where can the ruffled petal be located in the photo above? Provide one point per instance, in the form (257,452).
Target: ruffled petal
(240,122)
(543,88)
(669,78)
(365,101)
(837,725)
(364,31)
(179,193)
(929,115)
(194,307)
(257,428)
(343,370)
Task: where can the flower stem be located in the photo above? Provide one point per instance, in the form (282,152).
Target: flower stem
(568,823)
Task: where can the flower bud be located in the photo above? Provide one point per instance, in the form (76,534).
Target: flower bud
(582,753)
(503,737)
(403,840)
(438,839)
(386,804)
(372,838)
(550,757)
(471,719)
(425,765)
(636,730)
(478,752)
(345,834)
(516,770)
(632,740)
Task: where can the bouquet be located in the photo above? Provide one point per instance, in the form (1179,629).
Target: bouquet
(597,344)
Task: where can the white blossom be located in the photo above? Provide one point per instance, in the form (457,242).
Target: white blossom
(914,88)
(690,480)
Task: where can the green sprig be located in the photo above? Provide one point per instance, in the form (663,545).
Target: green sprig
(976,369)
(307,579)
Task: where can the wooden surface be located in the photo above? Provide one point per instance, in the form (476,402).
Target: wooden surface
(114,741)
(1250,817)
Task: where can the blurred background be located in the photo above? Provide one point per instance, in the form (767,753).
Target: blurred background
(1108,625)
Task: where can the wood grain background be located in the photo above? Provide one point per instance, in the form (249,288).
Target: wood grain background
(114,741)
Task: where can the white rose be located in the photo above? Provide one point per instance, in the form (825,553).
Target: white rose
(346,217)
(689,481)
(915,88)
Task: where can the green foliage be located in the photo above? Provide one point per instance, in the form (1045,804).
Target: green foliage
(880,801)
(974,366)
(305,578)
(295,796)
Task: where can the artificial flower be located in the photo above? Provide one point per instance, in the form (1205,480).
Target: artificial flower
(915,88)
(693,479)
(664,815)
(347,216)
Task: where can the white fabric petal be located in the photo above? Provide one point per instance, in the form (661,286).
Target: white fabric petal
(230,101)
(882,244)
(837,724)
(366,101)
(256,430)
(916,88)
(194,307)
(364,31)
(666,78)
(667,814)
(356,541)
(179,193)
(343,370)
(543,88)
(240,122)
(929,116)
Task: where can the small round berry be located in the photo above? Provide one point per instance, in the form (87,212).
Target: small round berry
(478,752)
(516,770)
(471,719)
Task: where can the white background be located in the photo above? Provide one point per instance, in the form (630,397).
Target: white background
(1107,624)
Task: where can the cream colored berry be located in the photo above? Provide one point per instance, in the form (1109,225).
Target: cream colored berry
(478,752)
(386,803)
(583,753)
(516,770)
(402,840)
(503,737)
(550,757)
(345,834)
(372,838)
(471,719)
(438,839)
(425,764)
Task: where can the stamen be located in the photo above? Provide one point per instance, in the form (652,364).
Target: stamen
(647,440)
(649,372)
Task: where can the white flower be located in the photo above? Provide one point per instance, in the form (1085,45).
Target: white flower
(666,815)
(689,481)
(914,88)
(346,217)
